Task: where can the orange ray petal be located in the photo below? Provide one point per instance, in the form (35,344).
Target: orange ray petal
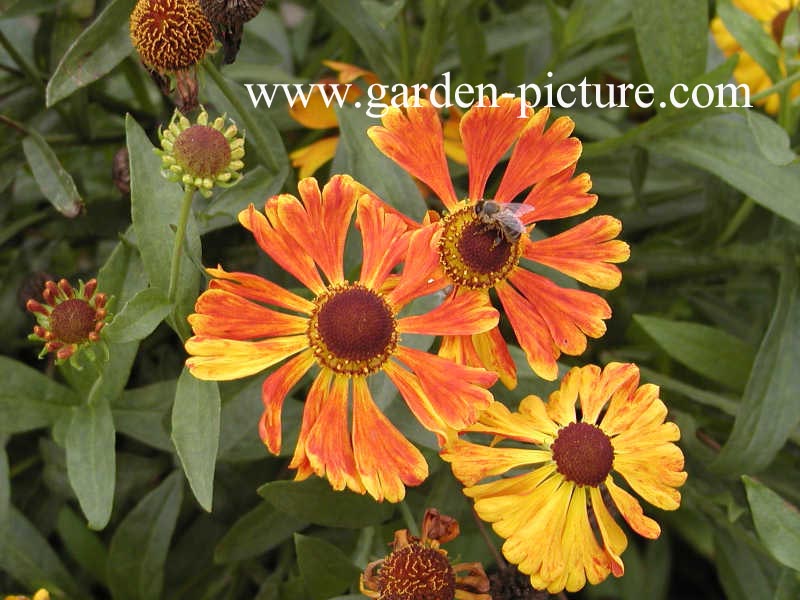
(467,394)
(218,359)
(273,393)
(227,315)
(584,252)
(384,243)
(487,132)
(462,313)
(531,332)
(422,274)
(310,158)
(539,154)
(570,314)
(560,196)
(632,512)
(625,412)
(459,349)
(654,475)
(417,400)
(257,288)
(414,140)
(494,356)
(497,419)
(596,391)
(328,445)
(315,399)
(273,239)
(384,458)
(348,73)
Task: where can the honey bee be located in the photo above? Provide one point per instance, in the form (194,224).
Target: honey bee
(504,218)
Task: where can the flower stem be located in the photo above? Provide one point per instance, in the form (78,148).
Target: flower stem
(411,523)
(180,234)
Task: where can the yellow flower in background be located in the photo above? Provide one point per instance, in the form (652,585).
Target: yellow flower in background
(41,594)
(316,114)
(552,509)
(772,14)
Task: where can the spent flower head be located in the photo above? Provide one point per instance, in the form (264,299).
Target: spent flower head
(228,17)
(68,319)
(417,568)
(202,154)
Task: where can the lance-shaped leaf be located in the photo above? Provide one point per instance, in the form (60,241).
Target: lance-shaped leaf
(56,184)
(777,523)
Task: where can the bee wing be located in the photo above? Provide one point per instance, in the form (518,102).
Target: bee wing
(518,209)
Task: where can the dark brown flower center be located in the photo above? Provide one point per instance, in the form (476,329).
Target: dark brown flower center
(353,331)
(202,151)
(583,454)
(473,253)
(72,321)
(779,24)
(417,572)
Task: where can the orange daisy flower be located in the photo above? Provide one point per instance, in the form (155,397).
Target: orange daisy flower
(483,239)
(318,114)
(552,511)
(350,330)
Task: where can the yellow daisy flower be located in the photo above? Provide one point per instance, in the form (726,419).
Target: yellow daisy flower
(552,509)
(772,14)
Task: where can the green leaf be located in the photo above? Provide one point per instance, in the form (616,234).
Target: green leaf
(359,157)
(195,433)
(142,413)
(28,399)
(724,146)
(772,140)
(769,411)
(256,533)
(788,585)
(56,184)
(314,500)
(82,545)
(155,207)
(91,460)
(5,488)
(326,571)
(740,572)
(375,41)
(752,37)
(100,48)
(706,350)
(139,317)
(777,523)
(657,25)
(28,558)
(140,543)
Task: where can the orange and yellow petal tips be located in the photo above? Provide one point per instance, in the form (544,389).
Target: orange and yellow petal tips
(68,319)
(562,463)
(41,594)
(349,330)
(417,567)
(202,154)
(485,235)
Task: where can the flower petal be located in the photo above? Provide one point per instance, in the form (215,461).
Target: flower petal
(317,394)
(533,428)
(273,239)
(328,445)
(316,113)
(570,314)
(257,288)
(531,332)
(584,252)
(561,403)
(422,274)
(598,387)
(466,393)
(462,313)
(414,140)
(473,462)
(654,474)
(227,315)
(218,359)
(384,458)
(384,243)
(539,154)
(560,196)
(416,398)
(487,133)
(494,356)
(614,540)
(310,158)
(273,393)
(632,512)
